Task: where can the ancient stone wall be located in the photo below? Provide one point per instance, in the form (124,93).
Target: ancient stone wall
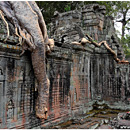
(79,75)
(16,87)
(72,26)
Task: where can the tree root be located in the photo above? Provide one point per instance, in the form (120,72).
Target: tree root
(108,48)
(91,41)
(31,30)
(42,113)
(20,38)
(105,44)
(83,42)
(49,45)
(7,26)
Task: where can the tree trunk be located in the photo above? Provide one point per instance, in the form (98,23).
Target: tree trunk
(28,19)
(123,29)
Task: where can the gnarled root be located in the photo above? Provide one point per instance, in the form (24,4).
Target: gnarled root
(41,106)
(42,113)
(7,26)
(39,66)
(76,43)
(106,45)
(28,19)
(20,38)
(83,42)
(49,45)
(42,101)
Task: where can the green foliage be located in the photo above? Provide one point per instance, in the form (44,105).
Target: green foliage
(126,45)
(122,14)
(120,10)
(49,7)
(109,6)
(68,8)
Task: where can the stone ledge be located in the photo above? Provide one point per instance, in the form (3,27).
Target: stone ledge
(10,48)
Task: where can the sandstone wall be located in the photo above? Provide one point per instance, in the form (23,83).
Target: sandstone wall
(79,75)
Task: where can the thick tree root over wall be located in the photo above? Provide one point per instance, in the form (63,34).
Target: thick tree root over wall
(31,30)
(108,48)
(91,41)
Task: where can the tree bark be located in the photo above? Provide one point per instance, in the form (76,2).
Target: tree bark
(27,18)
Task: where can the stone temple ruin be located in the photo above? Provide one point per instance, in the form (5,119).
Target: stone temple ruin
(79,74)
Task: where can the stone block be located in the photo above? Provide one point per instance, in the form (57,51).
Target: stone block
(93,22)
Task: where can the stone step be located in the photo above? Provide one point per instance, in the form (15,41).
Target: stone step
(89,124)
(93,125)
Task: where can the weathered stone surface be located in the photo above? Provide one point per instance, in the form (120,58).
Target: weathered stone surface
(79,75)
(92,21)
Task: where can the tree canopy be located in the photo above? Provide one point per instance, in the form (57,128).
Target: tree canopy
(49,7)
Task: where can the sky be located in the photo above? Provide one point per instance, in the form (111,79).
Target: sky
(118,25)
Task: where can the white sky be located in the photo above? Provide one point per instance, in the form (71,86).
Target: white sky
(118,28)
(118,25)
